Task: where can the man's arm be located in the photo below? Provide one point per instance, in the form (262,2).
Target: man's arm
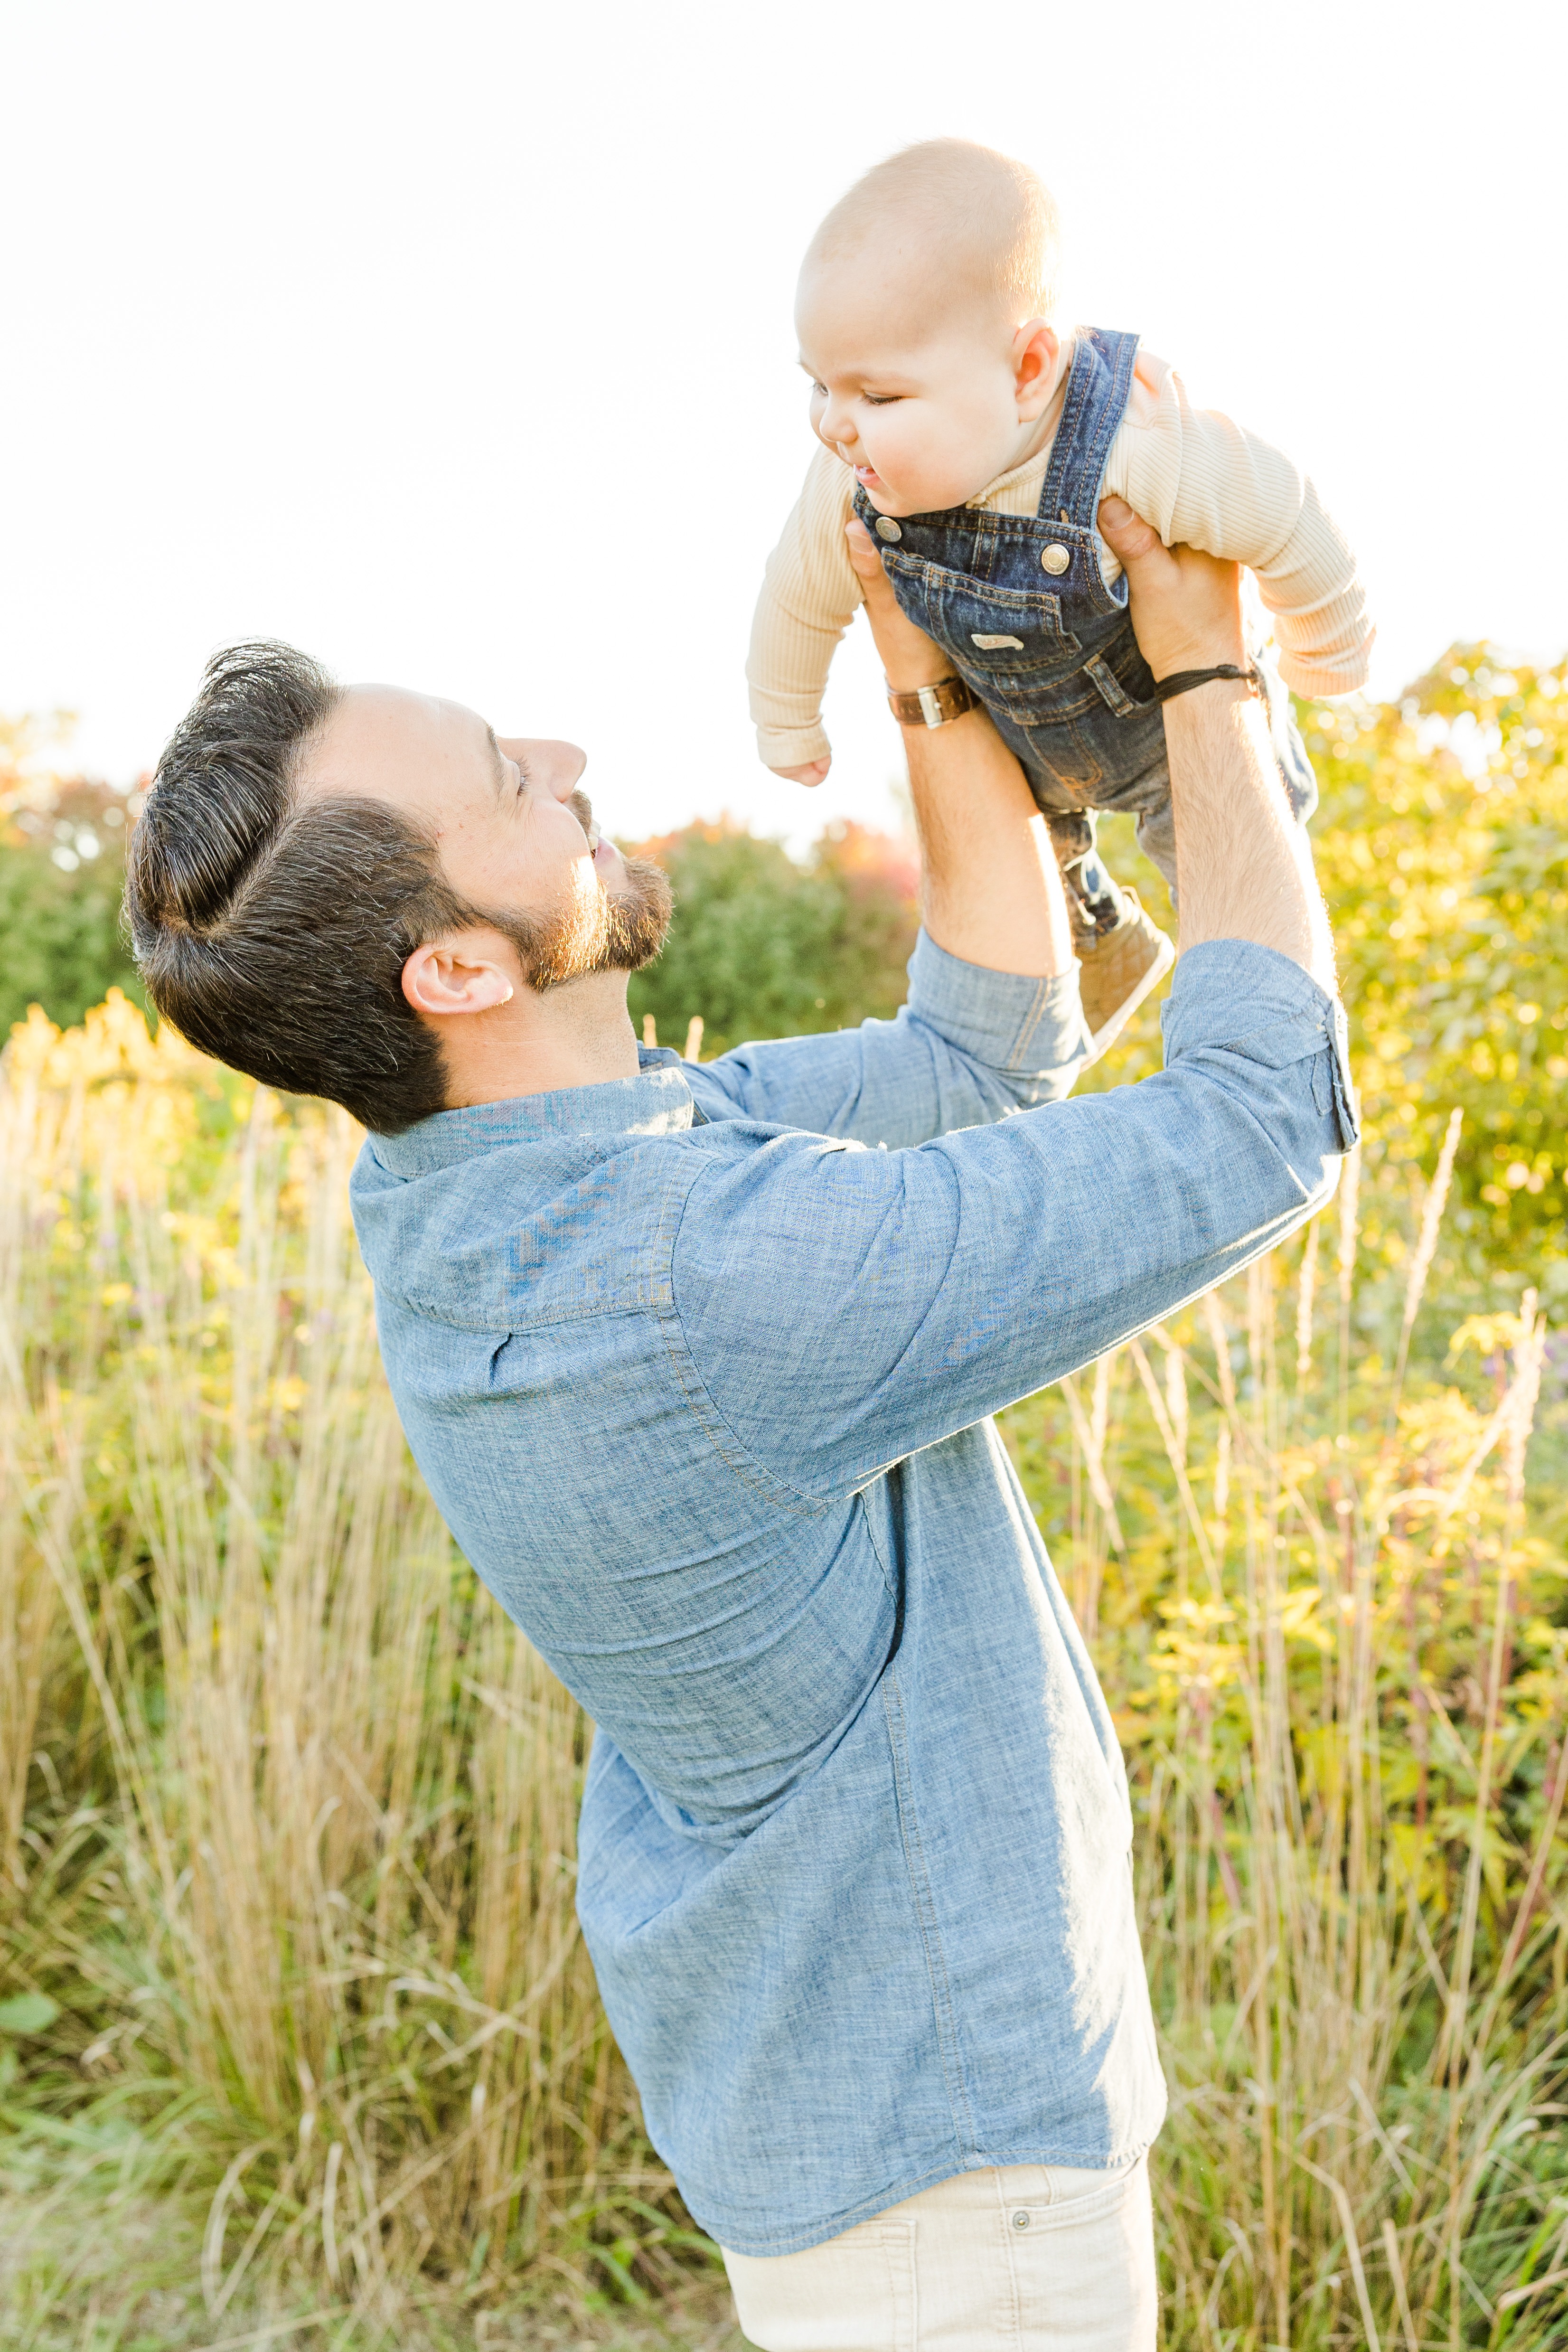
(993,1021)
(991,885)
(845,1309)
(1244,869)
(969,1046)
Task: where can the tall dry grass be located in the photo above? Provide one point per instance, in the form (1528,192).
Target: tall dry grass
(287,1808)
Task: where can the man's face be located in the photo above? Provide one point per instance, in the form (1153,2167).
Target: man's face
(514,835)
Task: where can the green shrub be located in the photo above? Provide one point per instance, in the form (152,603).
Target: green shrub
(61,858)
(762,946)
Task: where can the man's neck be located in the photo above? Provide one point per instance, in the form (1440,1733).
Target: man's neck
(576,1035)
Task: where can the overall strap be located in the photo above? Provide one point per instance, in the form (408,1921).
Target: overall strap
(1098,384)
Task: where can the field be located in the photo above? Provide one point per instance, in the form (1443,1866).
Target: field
(298,2044)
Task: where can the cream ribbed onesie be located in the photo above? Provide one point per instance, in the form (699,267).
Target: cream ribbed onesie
(1199,478)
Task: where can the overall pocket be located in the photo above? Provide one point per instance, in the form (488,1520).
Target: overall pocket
(1011,645)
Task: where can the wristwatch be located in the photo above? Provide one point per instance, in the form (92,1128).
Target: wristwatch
(932,706)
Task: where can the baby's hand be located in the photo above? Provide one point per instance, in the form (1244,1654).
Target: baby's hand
(811,773)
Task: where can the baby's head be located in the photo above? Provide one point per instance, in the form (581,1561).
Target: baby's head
(925,314)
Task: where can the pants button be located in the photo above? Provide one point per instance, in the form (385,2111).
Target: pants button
(1020,2220)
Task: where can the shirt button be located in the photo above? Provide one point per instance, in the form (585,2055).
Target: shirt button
(1020,2220)
(887,528)
(1055,557)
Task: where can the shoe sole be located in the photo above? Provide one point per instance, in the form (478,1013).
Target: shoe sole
(1106,1037)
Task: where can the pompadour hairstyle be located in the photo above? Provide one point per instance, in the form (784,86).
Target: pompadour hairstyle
(272,931)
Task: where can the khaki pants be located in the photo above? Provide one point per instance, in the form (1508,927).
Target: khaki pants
(1021,2257)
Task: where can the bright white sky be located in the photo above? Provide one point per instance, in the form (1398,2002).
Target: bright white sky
(454,343)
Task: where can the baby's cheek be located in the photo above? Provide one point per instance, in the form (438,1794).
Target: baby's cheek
(900,448)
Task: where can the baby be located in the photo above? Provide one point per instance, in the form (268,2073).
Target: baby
(976,441)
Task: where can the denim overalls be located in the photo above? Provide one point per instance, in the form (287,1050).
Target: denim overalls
(1020,606)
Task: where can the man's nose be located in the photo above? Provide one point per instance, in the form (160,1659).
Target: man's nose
(554,766)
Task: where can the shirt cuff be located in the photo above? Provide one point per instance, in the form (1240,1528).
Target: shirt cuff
(1243,999)
(1316,676)
(1029,1030)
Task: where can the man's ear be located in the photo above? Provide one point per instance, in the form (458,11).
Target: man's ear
(1037,347)
(465,973)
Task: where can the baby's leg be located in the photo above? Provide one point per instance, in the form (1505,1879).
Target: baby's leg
(1122,954)
(1094,901)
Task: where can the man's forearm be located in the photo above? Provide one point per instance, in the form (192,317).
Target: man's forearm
(992,891)
(1244,869)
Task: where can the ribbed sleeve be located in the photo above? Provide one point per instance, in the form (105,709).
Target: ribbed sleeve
(810,595)
(1206,482)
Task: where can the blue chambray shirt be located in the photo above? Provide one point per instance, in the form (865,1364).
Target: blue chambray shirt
(700,1375)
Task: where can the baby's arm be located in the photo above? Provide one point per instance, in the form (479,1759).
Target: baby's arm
(1204,482)
(810,594)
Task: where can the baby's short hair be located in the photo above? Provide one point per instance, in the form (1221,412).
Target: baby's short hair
(995,216)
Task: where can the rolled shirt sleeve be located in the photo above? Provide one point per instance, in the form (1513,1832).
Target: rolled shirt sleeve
(969,1046)
(845,1307)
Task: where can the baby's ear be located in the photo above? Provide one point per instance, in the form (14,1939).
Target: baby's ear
(1037,349)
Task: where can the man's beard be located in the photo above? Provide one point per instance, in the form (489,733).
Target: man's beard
(594,931)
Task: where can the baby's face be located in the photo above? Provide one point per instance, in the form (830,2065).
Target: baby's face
(921,398)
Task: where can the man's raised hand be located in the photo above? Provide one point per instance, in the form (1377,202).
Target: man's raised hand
(1187,606)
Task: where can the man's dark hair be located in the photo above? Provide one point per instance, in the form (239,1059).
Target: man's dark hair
(271,931)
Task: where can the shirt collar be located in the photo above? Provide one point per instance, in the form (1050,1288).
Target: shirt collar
(658,1101)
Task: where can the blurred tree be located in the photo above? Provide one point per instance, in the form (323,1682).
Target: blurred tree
(1443,847)
(1442,844)
(61,854)
(763,946)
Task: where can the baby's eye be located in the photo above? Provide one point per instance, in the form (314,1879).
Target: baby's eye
(881,399)
(818,392)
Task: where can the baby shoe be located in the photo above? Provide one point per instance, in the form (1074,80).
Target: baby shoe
(1116,970)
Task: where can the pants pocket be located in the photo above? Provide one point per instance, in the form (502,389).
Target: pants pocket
(856,2294)
(1083,2267)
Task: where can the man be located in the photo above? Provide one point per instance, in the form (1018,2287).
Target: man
(700,1374)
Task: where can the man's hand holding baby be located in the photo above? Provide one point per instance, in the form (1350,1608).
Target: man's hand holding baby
(1186,605)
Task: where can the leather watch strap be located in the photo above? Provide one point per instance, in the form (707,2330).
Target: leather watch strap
(932,706)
